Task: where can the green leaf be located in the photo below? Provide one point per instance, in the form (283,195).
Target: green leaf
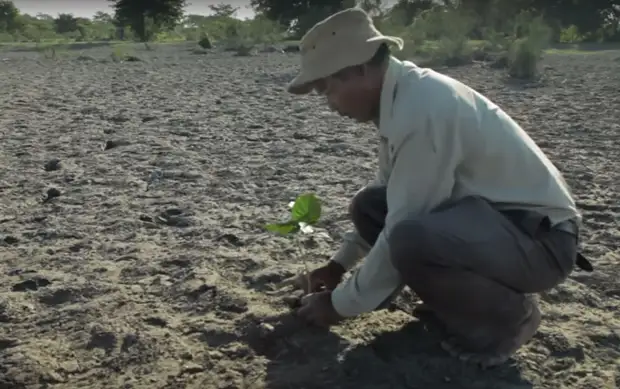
(283,228)
(307,209)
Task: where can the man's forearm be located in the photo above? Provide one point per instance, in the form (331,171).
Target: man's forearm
(353,249)
(369,286)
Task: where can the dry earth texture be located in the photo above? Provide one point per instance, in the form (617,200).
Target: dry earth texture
(134,196)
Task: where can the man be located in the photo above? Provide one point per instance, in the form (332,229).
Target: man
(465,210)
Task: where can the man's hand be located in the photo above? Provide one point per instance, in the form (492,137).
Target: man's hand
(327,277)
(317,309)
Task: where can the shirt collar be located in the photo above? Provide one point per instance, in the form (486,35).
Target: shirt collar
(388,92)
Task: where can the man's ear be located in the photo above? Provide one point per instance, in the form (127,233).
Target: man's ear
(363,69)
(368,75)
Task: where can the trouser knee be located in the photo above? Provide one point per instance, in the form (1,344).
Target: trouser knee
(367,211)
(409,243)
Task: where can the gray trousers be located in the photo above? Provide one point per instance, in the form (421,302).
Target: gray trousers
(472,265)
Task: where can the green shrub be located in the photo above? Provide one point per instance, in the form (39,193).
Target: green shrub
(523,60)
(440,36)
(122,54)
(205,42)
(526,51)
(495,41)
(570,35)
(5,37)
(244,50)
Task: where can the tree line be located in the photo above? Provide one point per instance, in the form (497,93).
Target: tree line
(569,20)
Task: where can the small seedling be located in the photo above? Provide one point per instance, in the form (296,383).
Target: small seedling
(305,212)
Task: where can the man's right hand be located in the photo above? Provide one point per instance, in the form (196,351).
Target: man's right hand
(326,277)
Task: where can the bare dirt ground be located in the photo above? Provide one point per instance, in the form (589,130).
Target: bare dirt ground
(109,285)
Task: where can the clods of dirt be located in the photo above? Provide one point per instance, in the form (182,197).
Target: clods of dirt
(178,286)
(51,194)
(114,143)
(52,165)
(174,217)
(31,284)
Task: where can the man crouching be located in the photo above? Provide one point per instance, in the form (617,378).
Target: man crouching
(465,210)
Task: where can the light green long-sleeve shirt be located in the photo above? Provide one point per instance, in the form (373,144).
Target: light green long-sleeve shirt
(443,141)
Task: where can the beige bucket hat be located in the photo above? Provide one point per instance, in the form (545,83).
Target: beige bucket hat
(346,38)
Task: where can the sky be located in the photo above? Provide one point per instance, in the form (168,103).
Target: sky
(87,8)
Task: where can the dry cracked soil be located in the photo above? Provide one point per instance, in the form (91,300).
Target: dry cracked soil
(133,199)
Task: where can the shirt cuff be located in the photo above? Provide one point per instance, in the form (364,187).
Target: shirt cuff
(369,286)
(343,303)
(351,251)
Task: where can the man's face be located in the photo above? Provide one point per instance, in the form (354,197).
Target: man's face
(351,93)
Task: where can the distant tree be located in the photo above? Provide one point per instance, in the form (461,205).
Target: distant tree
(45,17)
(65,23)
(587,15)
(194,21)
(299,15)
(102,17)
(102,26)
(147,17)
(9,16)
(404,11)
(223,9)
(35,29)
(374,8)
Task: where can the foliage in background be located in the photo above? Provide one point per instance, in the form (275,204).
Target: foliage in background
(297,16)
(9,17)
(532,38)
(441,32)
(147,18)
(570,20)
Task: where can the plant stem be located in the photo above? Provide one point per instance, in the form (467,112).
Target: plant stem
(307,269)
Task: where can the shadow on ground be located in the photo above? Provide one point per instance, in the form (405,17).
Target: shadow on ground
(407,357)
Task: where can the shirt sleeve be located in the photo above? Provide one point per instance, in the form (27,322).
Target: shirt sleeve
(383,172)
(354,247)
(422,177)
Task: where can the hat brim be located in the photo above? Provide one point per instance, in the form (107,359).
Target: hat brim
(304,83)
(388,39)
(300,85)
